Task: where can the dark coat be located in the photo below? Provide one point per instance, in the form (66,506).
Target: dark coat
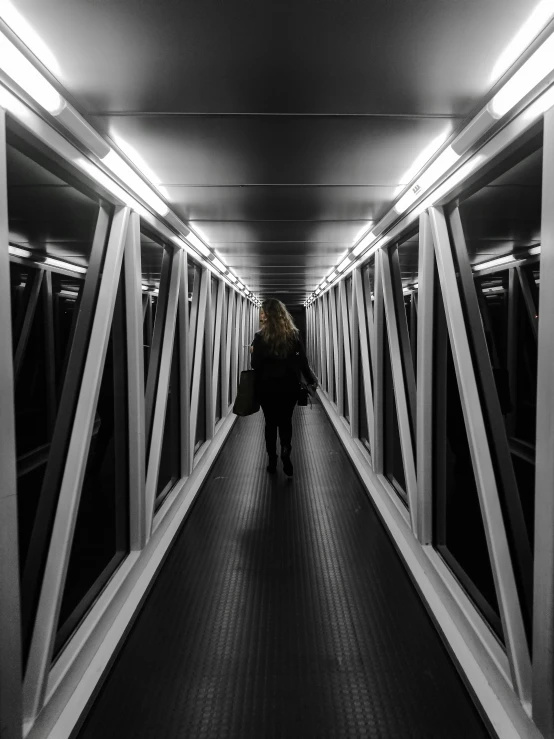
(279,375)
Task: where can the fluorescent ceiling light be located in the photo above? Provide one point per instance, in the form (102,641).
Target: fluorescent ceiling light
(240,285)
(193,240)
(317,291)
(20,26)
(231,277)
(20,69)
(429,151)
(332,276)
(132,154)
(456,177)
(534,250)
(8,101)
(344,264)
(64,265)
(362,231)
(494,289)
(110,185)
(528,31)
(494,263)
(364,243)
(16,251)
(428,178)
(324,284)
(120,168)
(525,79)
(69,294)
(219,264)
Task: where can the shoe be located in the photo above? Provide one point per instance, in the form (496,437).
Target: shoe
(272,464)
(285,458)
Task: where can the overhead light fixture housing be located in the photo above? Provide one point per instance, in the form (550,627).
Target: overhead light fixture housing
(494,263)
(127,175)
(344,264)
(219,264)
(24,74)
(194,241)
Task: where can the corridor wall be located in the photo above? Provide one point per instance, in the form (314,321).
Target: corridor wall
(121,357)
(434,355)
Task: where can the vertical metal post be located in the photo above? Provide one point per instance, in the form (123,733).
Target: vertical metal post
(135,384)
(337,348)
(543,612)
(425,382)
(234,344)
(154,452)
(401,392)
(197,365)
(185,367)
(228,388)
(220,345)
(156,346)
(403,336)
(345,330)
(208,365)
(364,351)
(35,284)
(329,358)
(49,350)
(355,360)
(378,456)
(512,348)
(10,612)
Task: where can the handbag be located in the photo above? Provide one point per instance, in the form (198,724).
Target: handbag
(303,395)
(246,402)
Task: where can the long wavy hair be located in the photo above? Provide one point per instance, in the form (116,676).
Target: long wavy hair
(278,330)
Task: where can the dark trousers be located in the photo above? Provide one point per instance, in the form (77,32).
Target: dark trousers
(278,409)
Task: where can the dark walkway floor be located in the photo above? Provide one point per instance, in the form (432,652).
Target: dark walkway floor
(283,611)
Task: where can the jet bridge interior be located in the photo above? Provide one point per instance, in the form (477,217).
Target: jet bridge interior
(386,170)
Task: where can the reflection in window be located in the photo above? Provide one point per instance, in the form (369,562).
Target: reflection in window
(503,219)
(101,537)
(394,465)
(363,432)
(48,219)
(459,529)
(170,459)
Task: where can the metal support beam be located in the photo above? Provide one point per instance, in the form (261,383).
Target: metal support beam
(160,400)
(135,384)
(184,367)
(503,573)
(378,452)
(10,614)
(401,392)
(543,612)
(51,593)
(498,439)
(425,382)
(357,278)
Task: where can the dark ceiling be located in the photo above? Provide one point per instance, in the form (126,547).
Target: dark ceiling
(278,129)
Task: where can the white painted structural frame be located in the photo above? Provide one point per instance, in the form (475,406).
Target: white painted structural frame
(543,612)
(510,687)
(48,702)
(10,630)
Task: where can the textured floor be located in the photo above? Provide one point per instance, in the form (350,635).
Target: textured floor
(283,611)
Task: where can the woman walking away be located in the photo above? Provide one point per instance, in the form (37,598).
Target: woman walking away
(278,357)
